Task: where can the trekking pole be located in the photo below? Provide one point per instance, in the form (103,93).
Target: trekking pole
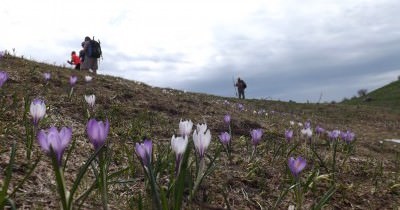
(233,80)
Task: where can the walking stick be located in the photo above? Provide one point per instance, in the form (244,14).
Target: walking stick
(234,86)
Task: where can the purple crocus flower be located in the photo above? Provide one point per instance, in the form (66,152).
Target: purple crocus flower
(307,124)
(144,151)
(225,138)
(332,135)
(37,110)
(46,76)
(58,141)
(288,135)
(97,132)
(240,107)
(347,136)
(319,130)
(3,77)
(296,165)
(256,135)
(227,119)
(201,139)
(72,80)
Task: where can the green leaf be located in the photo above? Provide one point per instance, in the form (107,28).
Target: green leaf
(328,194)
(283,194)
(7,179)
(82,172)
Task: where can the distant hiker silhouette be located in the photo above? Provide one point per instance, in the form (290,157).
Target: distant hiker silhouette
(91,55)
(82,53)
(241,85)
(75,60)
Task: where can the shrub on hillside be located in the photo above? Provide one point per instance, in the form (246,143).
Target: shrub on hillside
(362,92)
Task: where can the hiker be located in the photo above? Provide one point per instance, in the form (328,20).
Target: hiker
(82,53)
(89,62)
(75,60)
(241,85)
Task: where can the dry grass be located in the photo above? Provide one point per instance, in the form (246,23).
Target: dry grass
(138,111)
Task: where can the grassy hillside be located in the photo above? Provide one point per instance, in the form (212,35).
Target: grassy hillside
(387,96)
(364,174)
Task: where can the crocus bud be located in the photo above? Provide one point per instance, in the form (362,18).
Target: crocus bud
(3,77)
(227,119)
(37,110)
(307,124)
(185,127)
(256,135)
(296,165)
(319,130)
(72,80)
(179,145)
(88,78)
(225,138)
(58,141)
(201,139)
(46,76)
(144,151)
(90,99)
(97,132)
(288,135)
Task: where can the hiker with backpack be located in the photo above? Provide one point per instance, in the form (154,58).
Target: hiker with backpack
(92,51)
(82,53)
(75,60)
(241,85)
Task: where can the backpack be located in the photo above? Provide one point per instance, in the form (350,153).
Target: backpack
(94,49)
(244,85)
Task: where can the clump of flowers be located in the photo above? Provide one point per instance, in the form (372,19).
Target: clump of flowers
(333,135)
(347,136)
(201,139)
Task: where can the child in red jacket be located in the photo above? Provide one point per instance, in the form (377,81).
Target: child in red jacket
(75,60)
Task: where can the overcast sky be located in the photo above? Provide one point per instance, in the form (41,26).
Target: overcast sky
(284,49)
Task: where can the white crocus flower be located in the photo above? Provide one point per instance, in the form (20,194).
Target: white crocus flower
(90,99)
(37,110)
(88,78)
(201,139)
(306,132)
(185,127)
(179,145)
